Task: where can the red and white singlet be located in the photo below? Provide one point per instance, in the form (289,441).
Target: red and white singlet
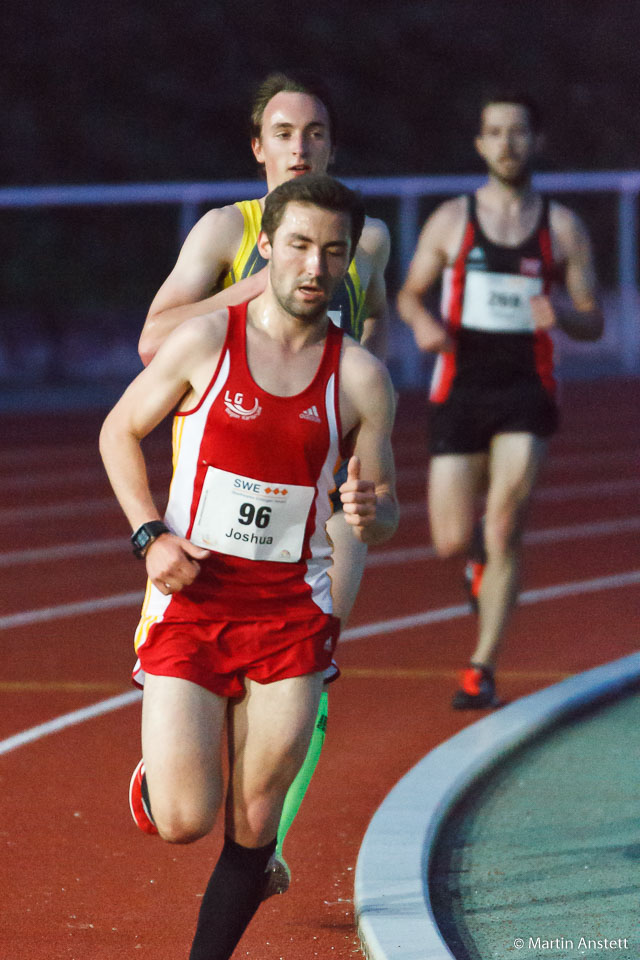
(251,482)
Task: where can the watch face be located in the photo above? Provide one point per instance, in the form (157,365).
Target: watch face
(146,534)
(140,541)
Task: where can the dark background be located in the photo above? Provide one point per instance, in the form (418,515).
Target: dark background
(152,90)
(148,90)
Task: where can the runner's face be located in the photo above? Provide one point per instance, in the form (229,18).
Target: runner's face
(294,138)
(507,143)
(308,259)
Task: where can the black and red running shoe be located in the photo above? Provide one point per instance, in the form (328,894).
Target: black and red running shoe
(477,689)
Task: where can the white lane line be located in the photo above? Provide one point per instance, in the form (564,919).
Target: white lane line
(355,633)
(68,720)
(51,456)
(389,557)
(598,528)
(598,488)
(554,494)
(382,558)
(559,492)
(462,610)
(71,609)
(571,443)
(70,508)
(378,558)
(401,623)
(618,454)
(64,551)
(49,478)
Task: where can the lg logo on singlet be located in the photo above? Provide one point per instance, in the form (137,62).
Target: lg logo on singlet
(234,406)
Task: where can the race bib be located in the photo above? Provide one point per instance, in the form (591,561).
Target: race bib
(251,518)
(499,302)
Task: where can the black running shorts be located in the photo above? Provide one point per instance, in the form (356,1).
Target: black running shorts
(469,418)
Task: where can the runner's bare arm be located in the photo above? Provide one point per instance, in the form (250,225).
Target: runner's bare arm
(181,367)
(585,320)
(190,289)
(376,244)
(425,270)
(367,407)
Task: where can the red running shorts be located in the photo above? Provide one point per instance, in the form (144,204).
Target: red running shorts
(219,655)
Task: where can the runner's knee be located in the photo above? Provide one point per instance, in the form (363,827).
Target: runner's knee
(184,825)
(184,818)
(449,543)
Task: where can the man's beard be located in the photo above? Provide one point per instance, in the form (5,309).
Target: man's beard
(308,312)
(519,178)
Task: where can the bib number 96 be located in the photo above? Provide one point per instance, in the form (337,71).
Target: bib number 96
(249,514)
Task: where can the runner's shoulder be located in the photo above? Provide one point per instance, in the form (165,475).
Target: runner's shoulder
(360,366)
(201,334)
(564,219)
(451,212)
(568,230)
(375,236)
(219,228)
(446,221)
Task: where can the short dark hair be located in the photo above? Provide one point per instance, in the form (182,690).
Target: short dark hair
(318,189)
(517,97)
(291,83)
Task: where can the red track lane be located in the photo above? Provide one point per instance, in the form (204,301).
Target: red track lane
(80,882)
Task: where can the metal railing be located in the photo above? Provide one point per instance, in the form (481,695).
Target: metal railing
(406,191)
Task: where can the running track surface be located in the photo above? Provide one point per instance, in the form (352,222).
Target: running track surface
(79,880)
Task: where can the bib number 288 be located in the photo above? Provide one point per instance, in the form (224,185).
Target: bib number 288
(249,515)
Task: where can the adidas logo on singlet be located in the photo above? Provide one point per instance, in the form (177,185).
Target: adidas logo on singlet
(311,413)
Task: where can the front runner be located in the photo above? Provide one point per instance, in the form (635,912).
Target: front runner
(293,134)
(492,396)
(238,621)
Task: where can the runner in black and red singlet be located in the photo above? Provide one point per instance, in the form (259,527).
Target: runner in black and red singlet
(492,398)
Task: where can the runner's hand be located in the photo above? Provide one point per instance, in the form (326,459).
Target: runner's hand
(172,563)
(543,313)
(358,499)
(431,337)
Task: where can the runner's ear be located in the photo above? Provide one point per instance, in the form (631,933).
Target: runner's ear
(264,246)
(256,147)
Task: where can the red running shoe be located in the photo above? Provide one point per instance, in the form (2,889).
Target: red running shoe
(477,690)
(139,802)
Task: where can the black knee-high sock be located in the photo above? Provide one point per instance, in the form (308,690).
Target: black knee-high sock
(232,897)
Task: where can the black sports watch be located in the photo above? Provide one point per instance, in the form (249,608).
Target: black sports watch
(144,536)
